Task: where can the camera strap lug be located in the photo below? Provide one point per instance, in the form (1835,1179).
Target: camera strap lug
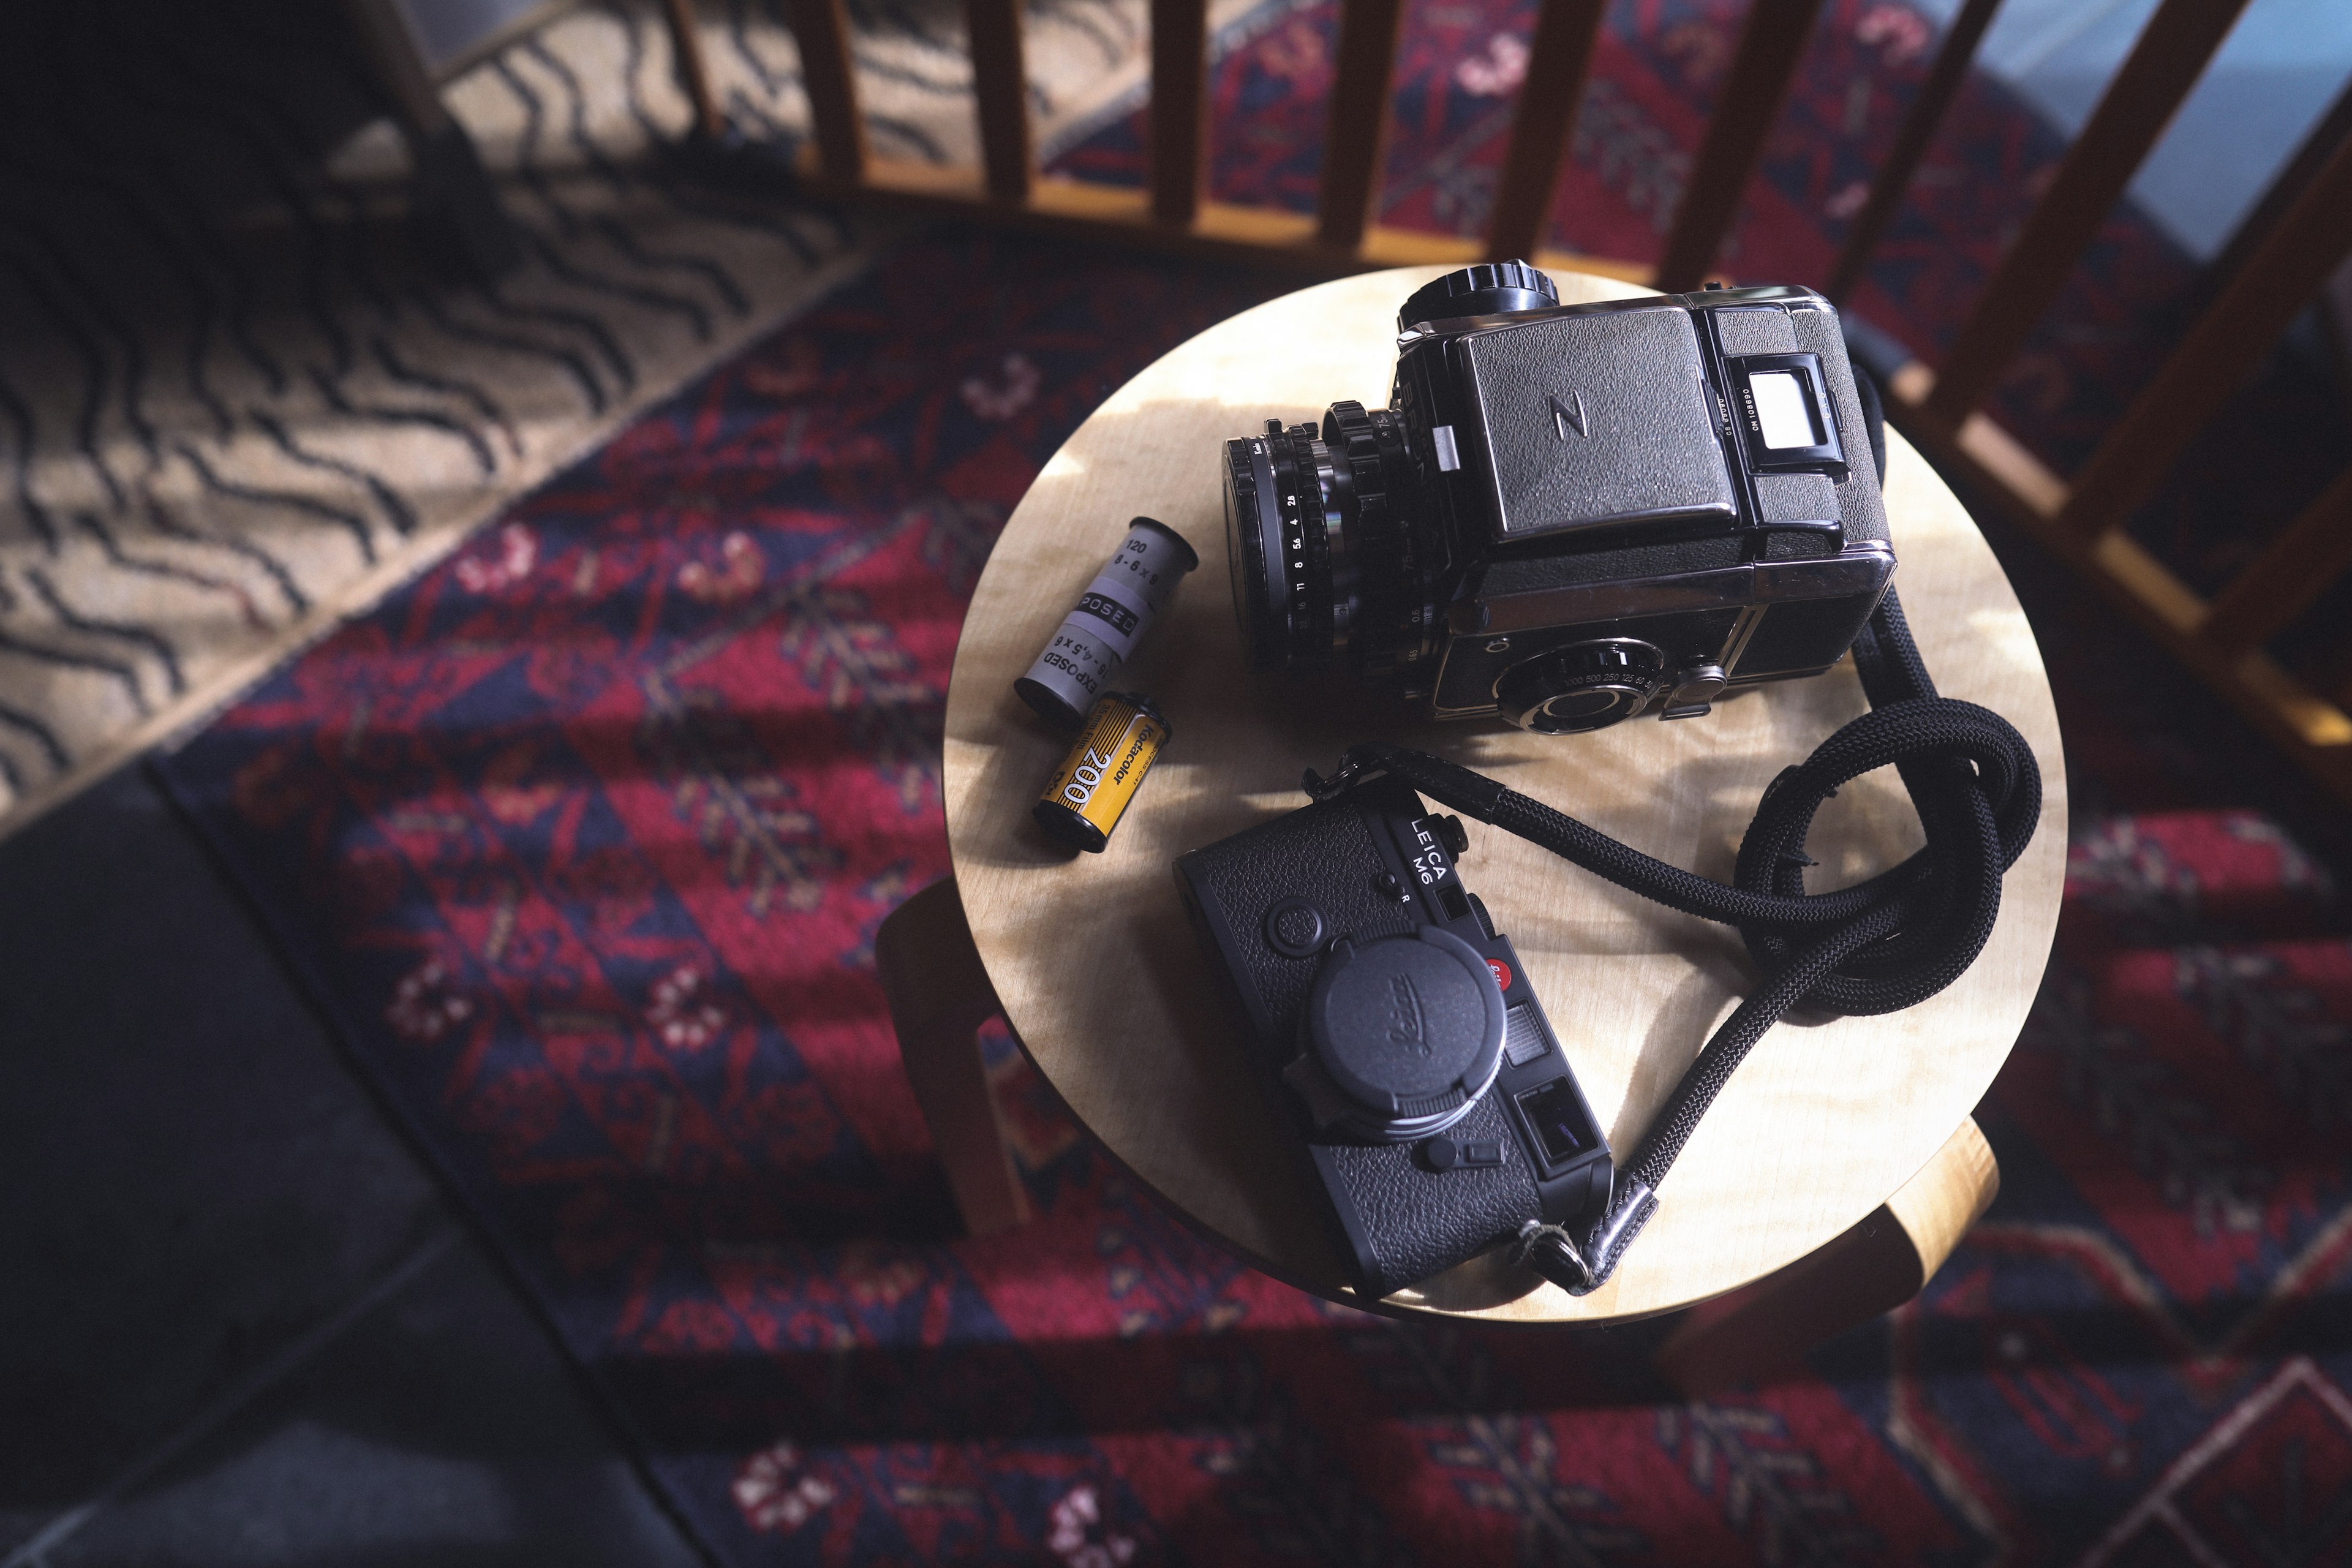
(1548,1250)
(1449,783)
(1634,1204)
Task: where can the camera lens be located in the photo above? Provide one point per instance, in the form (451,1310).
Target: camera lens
(1322,540)
(1275,519)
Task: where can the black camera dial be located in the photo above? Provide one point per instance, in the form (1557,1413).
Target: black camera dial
(1403,1036)
(1585,686)
(1489,289)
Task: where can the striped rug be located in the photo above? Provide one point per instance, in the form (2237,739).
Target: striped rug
(237,402)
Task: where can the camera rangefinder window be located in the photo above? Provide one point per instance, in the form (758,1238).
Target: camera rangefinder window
(1784,410)
(1570,514)
(1557,1114)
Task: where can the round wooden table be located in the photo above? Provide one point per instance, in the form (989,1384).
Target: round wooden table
(1111,995)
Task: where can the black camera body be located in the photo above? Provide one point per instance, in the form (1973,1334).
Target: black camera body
(1571,514)
(1398,1031)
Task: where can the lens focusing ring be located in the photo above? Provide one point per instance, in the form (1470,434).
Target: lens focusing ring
(1260,590)
(1321,532)
(1382,596)
(1337,489)
(1297,457)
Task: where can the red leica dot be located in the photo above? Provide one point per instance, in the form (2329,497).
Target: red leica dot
(1502,973)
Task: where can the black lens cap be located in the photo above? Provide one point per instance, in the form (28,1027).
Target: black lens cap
(1404,1021)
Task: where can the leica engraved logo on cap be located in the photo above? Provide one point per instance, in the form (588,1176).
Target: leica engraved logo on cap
(1406,1027)
(1568,415)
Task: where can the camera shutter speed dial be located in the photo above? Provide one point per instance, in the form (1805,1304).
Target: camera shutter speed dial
(1586,686)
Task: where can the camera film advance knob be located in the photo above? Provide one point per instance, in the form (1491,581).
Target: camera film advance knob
(1586,686)
(1402,1034)
(1489,289)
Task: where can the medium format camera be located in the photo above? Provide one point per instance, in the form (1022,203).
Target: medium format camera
(1570,514)
(1430,1099)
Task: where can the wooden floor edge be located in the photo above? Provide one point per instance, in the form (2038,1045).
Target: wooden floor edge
(1222,231)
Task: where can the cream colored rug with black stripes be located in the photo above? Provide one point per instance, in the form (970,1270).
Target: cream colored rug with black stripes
(235,405)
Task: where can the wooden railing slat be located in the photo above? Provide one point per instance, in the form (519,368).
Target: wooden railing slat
(1920,123)
(1000,90)
(1558,59)
(2228,341)
(1354,135)
(1180,97)
(821,28)
(2171,54)
(2287,577)
(1771,44)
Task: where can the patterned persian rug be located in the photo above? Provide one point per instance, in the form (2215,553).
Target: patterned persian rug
(582,838)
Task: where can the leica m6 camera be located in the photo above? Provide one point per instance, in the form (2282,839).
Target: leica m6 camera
(1570,514)
(1432,1102)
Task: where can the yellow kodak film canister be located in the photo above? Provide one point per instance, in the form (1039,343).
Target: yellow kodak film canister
(1090,791)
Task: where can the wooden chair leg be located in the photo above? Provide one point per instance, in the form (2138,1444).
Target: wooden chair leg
(1872,1268)
(456,204)
(939,995)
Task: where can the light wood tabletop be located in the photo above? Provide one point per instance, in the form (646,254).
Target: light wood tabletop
(1112,997)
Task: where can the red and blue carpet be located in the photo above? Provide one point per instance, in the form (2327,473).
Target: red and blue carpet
(583,839)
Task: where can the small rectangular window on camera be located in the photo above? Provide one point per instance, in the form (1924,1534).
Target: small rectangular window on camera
(1558,1121)
(1784,411)
(1523,1038)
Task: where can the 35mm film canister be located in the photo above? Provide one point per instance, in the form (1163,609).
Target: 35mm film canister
(1090,791)
(1111,617)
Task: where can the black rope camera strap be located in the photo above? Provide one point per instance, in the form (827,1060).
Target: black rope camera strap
(1877,947)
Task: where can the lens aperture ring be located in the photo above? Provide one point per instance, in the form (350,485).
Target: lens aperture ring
(1386,577)
(1298,457)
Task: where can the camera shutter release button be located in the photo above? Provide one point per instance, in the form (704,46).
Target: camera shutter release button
(1296,928)
(1695,688)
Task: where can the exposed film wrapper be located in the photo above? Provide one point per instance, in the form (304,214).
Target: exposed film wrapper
(1109,621)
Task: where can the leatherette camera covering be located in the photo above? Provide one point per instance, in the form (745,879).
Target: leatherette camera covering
(1326,848)
(1802,329)
(1664,467)
(1415,1222)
